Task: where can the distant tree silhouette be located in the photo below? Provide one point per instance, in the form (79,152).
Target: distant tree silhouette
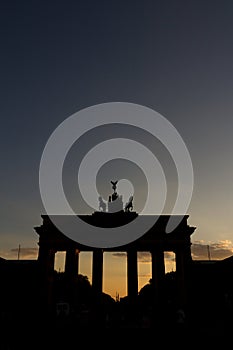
(169,286)
(146,294)
(82,288)
(83,295)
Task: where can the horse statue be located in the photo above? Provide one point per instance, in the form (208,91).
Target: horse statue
(114,183)
(129,204)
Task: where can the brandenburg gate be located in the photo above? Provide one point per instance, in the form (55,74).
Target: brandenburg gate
(155,240)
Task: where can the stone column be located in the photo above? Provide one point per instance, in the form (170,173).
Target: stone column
(97,271)
(71,273)
(72,261)
(46,260)
(181,286)
(158,273)
(132,274)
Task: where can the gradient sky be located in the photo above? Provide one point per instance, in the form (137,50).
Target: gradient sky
(58,57)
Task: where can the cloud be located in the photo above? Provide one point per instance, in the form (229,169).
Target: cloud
(24,253)
(202,250)
(169,256)
(144,275)
(120,255)
(145,257)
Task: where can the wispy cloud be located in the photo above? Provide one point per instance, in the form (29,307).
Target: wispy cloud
(23,253)
(143,257)
(169,256)
(120,255)
(202,250)
(144,275)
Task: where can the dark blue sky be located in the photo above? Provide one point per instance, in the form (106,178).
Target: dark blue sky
(58,57)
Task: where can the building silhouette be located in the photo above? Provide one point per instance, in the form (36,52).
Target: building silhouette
(198,293)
